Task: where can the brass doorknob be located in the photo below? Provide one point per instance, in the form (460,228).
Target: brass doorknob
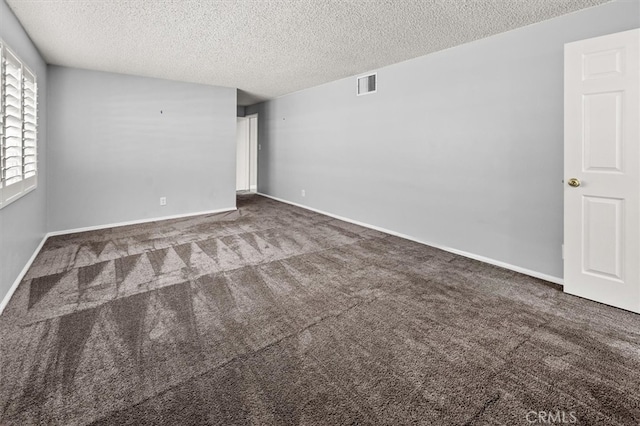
(574,182)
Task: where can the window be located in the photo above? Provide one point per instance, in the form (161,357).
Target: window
(18,128)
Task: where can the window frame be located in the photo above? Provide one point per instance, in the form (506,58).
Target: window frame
(28,128)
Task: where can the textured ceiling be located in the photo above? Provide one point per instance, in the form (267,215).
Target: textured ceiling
(264,48)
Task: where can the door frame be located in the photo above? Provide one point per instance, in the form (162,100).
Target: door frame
(242,138)
(254,151)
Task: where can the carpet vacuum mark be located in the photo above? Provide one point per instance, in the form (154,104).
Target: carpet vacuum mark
(277,315)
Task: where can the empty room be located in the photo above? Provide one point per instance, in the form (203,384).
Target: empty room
(319,212)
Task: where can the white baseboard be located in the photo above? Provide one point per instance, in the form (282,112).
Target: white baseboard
(488,260)
(137,222)
(16,283)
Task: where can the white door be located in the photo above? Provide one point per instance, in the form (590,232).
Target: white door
(242,155)
(602,169)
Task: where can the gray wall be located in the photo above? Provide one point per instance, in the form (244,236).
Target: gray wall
(462,148)
(114,154)
(23,222)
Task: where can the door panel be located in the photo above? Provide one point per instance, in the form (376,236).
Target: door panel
(602,154)
(602,131)
(607,63)
(603,230)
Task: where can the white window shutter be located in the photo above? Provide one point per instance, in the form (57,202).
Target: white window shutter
(1,123)
(12,168)
(18,127)
(30,125)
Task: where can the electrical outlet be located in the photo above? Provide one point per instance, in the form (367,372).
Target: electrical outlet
(304,194)
(163,201)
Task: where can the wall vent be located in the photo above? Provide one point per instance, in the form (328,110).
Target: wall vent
(367,84)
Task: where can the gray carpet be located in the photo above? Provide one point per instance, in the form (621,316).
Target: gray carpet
(278,315)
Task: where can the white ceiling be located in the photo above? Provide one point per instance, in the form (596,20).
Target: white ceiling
(264,48)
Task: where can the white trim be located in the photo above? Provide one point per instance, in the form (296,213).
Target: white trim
(16,197)
(16,283)
(137,222)
(488,260)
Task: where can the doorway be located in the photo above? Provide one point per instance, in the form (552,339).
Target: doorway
(247,153)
